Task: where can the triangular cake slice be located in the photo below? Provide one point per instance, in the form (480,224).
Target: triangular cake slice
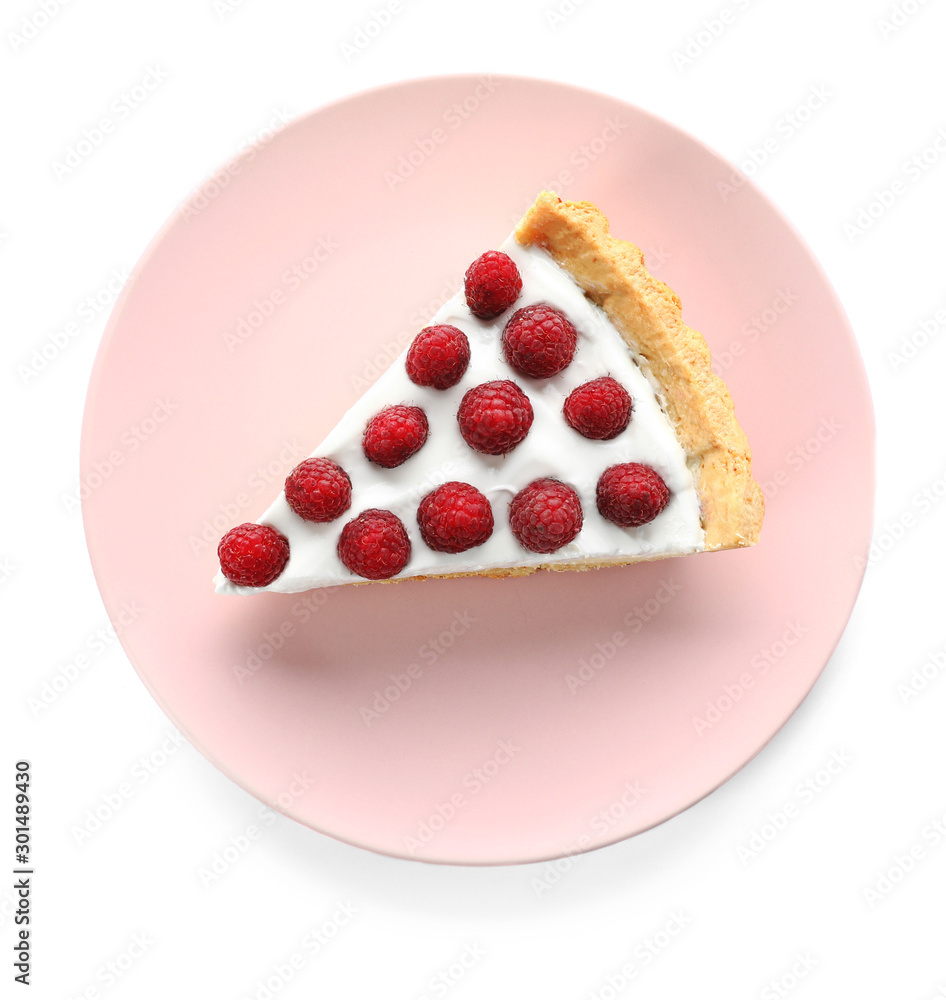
(557,413)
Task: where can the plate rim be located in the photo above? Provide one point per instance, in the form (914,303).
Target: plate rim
(114,323)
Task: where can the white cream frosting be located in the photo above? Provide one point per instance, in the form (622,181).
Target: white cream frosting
(551,448)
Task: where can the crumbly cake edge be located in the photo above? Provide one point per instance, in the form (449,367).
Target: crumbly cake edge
(648,315)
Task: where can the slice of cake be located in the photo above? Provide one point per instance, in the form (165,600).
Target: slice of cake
(556,414)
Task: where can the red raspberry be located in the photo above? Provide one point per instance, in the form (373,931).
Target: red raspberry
(438,357)
(599,409)
(494,417)
(492,284)
(539,341)
(318,489)
(545,515)
(455,517)
(394,434)
(631,494)
(252,555)
(374,545)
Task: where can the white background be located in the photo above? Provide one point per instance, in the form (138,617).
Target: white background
(122,911)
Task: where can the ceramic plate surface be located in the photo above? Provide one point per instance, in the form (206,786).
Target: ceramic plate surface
(464,721)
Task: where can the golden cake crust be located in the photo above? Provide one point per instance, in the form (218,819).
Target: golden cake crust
(675,358)
(647,313)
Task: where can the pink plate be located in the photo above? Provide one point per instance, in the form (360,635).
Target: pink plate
(463,721)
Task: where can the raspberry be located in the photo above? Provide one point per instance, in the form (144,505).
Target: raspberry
(631,494)
(539,341)
(545,515)
(318,489)
(438,357)
(252,555)
(492,284)
(374,545)
(455,517)
(599,409)
(394,434)
(494,417)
